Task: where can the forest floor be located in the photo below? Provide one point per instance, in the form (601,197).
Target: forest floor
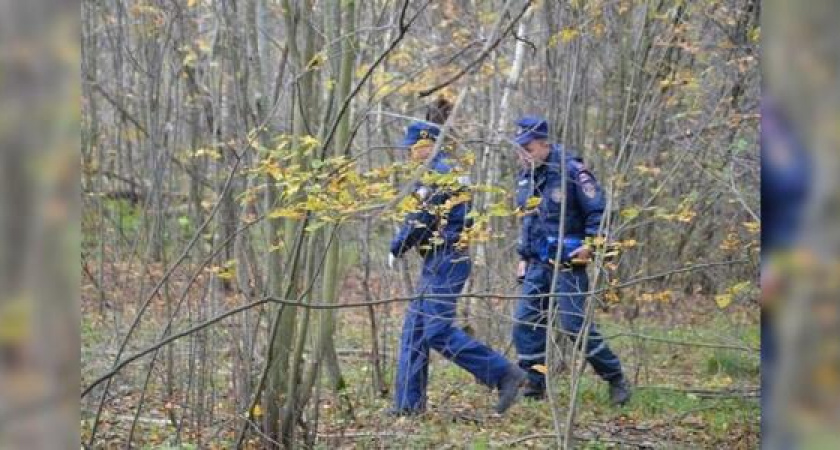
(684,396)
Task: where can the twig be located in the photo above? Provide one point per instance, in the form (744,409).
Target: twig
(614,440)
(371,434)
(484,53)
(742,348)
(750,392)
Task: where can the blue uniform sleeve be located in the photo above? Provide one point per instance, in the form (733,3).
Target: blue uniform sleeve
(590,197)
(419,225)
(523,192)
(523,244)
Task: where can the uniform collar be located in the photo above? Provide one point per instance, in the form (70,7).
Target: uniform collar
(553,159)
(555,155)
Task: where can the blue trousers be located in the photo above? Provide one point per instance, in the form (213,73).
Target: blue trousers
(428,325)
(531,318)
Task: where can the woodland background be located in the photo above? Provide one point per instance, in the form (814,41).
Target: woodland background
(240,186)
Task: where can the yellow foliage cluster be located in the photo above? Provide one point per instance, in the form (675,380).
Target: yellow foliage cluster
(732,242)
(226,271)
(665,296)
(725,299)
(645,170)
(335,190)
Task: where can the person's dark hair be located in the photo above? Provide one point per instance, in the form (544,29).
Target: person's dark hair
(439,111)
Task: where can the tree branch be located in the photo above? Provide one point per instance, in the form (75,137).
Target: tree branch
(484,53)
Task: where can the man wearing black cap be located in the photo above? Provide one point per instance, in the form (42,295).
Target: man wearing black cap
(548,240)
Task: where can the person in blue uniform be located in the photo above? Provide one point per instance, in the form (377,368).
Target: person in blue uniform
(434,230)
(786,174)
(552,176)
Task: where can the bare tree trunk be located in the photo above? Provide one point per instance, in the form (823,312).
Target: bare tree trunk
(304,106)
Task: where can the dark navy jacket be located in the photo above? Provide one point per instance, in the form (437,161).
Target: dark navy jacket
(584,198)
(420,226)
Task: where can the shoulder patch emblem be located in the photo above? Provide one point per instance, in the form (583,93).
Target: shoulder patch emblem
(587,185)
(589,190)
(557,195)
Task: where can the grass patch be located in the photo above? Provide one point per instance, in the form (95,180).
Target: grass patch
(732,363)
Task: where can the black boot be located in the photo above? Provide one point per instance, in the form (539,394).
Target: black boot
(509,388)
(619,391)
(533,391)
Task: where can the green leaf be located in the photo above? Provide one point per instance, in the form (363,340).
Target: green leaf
(630,213)
(316,164)
(314,226)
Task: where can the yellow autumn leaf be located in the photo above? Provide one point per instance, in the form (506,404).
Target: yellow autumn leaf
(540,368)
(568,34)
(226,274)
(643,169)
(468,159)
(209,152)
(723,300)
(204,45)
(275,171)
(664,296)
(752,227)
(309,141)
(190,58)
(286,213)
(316,61)
(686,215)
(533,202)
(628,243)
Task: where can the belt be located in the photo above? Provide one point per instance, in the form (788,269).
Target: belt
(565,265)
